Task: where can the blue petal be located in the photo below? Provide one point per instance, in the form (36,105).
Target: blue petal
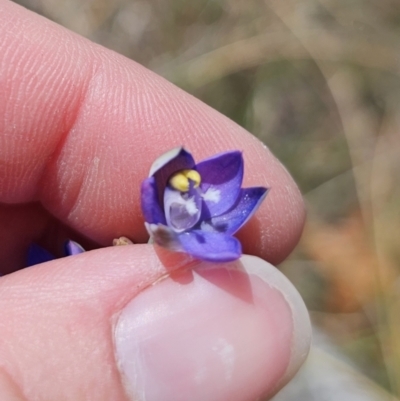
(248,202)
(210,246)
(36,255)
(221,178)
(72,248)
(151,208)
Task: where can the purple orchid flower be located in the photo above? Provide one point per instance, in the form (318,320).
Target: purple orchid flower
(196,208)
(37,254)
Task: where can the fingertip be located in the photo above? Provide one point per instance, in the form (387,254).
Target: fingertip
(301,325)
(97,121)
(119,316)
(236,331)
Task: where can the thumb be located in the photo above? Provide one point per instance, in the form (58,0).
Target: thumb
(113,324)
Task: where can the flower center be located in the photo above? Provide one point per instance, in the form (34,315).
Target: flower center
(181,180)
(182,200)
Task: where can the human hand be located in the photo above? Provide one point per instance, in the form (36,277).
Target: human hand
(79,128)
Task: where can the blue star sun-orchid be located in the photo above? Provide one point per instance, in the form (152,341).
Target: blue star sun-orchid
(37,254)
(196,208)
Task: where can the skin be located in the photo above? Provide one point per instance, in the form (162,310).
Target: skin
(79,128)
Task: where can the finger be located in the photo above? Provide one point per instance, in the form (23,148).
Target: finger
(102,324)
(81,125)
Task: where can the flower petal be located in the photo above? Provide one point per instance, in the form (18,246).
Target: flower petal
(176,159)
(221,178)
(210,246)
(72,248)
(151,208)
(248,202)
(168,164)
(163,236)
(182,210)
(37,254)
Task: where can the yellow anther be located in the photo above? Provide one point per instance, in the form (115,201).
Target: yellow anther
(181,180)
(194,176)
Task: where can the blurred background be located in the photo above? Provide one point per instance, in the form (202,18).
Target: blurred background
(318,81)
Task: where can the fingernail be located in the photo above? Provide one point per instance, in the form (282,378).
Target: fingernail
(234,331)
